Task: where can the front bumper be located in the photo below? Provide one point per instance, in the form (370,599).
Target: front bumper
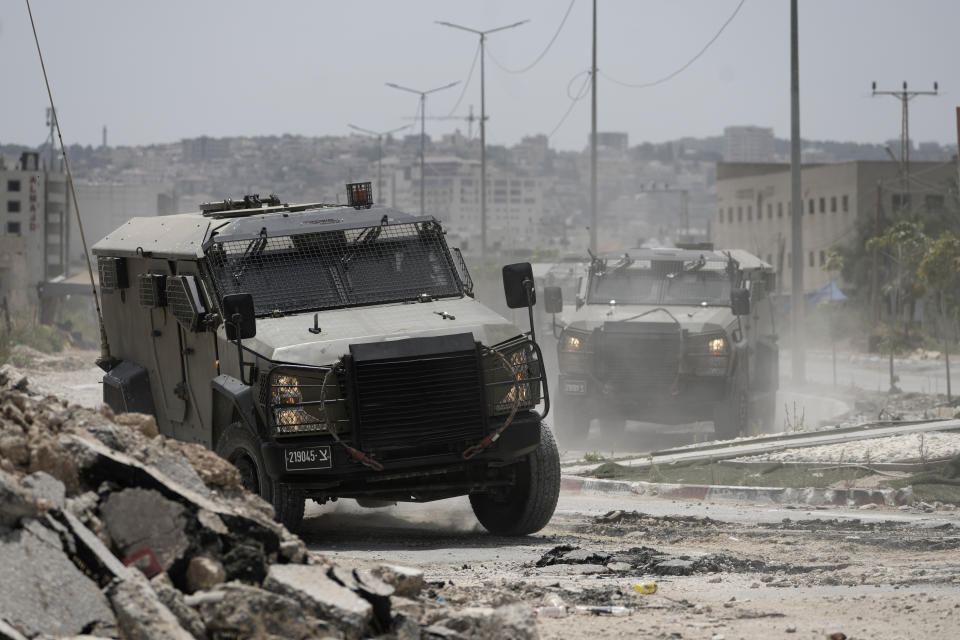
(683,398)
(346,476)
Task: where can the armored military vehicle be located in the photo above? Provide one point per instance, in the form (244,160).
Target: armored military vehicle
(330,352)
(667,336)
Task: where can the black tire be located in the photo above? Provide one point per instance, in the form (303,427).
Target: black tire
(528,506)
(239,447)
(571,421)
(732,418)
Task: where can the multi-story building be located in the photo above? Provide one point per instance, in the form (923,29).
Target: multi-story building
(754,208)
(748,144)
(33,230)
(515,203)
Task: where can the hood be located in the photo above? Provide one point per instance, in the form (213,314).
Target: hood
(288,339)
(694,319)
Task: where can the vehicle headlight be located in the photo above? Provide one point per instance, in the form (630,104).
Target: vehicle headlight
(511,378)
(573,351)
(718,346)
(706,355)
(294,404)
(572,342)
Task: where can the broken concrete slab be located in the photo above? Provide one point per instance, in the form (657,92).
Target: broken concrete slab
(510,622)
(50,595)
(46,487)
(243,611)
(141,615)
(175,601)
(17,501)
(406,581)
(321,596)
(9,633)
(143,518)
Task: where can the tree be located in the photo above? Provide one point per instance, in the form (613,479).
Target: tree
(905,245)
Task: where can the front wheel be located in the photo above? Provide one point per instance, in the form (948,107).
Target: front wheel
(527,506)
(239,447)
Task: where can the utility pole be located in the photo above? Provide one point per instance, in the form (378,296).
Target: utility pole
(52,123)
(423,125)
(799,356)
(593,138)
(483,122)
(379,136)
(905,97)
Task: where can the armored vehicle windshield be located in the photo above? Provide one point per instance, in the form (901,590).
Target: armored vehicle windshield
(336,268)
(662,282)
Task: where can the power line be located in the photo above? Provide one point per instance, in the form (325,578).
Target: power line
(466,83)
(574,99)
(542,53)
(674,74)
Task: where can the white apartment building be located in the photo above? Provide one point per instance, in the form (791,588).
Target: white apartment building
(515,204)
(748,144)
(754,208)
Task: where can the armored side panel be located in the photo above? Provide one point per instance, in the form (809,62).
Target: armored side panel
(126,389)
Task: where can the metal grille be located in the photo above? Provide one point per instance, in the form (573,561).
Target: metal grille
(112,272)
(183,301)
(153,290)
(639,355)
(462,271)
(332,269)
(431,403)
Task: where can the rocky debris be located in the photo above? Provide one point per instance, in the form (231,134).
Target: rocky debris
(513,622)
(115,531)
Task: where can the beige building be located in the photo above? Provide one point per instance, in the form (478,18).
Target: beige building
(33,229)
(754,212)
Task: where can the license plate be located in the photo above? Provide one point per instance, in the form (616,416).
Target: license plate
(306,458)
(574,386)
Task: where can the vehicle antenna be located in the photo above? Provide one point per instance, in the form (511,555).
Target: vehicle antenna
(105,361)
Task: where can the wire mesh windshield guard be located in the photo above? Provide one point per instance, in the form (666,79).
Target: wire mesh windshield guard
(338,268)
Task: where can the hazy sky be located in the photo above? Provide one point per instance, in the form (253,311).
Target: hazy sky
(165,70)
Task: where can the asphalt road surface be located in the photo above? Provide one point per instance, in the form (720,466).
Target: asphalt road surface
(752,571)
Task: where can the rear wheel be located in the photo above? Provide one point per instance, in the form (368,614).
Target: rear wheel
(527,506)
(239,447)
(732,418)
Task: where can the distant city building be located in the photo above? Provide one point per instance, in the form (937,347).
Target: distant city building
(105,207)
(748,144)
(754,208)
(515,204)
(33,230)
(204,148)
(613,140)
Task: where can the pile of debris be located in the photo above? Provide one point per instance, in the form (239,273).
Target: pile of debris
(109,529)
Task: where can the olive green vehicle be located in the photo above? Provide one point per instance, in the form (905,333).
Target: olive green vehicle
(330,352)
(667,336)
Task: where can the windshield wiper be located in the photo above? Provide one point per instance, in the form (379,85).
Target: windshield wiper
(367,236)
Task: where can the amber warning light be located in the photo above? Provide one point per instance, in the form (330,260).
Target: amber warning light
(359,195)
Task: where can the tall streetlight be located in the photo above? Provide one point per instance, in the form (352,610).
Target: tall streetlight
(379,136)
(483,124)
(423,123)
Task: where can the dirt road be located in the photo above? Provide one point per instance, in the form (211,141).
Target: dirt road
(737,571)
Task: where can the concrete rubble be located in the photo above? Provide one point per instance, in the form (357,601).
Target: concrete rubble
(108,529)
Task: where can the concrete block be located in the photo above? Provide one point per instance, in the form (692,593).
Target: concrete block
(406,581)
(138,518)
(321,596)
(141,615)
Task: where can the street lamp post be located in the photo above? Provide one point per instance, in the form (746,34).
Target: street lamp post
(483,124)
(379,135)
(423,124)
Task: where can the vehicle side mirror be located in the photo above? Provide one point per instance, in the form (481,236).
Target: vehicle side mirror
(740,302)
(518,285)
(239,316)
(553,299)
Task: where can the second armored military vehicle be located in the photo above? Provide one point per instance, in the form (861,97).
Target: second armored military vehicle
(330,352)
(667,336)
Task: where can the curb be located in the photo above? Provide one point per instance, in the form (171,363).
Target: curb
(717,493)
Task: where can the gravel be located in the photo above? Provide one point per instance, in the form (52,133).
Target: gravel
(909,448)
